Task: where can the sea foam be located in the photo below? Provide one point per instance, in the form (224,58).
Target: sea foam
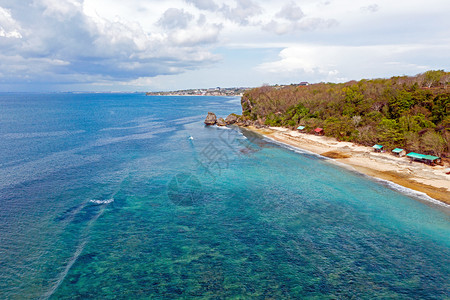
(107,201)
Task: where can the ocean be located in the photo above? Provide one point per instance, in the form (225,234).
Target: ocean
(130,196)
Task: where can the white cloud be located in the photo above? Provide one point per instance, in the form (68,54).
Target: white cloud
(299,58)
(175,18)
(291,19)
(8,26)
(339,63)
(243,12)
(370,8)
(197,35)
(204,4)
(61,8)
(141,82)
(67,42)
(308,24)
(291,12)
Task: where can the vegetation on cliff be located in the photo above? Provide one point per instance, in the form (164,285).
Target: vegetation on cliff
(406,112)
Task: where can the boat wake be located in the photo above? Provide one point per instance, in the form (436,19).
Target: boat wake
(84,238)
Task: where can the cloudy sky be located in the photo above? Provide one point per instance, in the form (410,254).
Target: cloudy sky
(150,45)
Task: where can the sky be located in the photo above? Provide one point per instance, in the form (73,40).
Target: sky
(149,45)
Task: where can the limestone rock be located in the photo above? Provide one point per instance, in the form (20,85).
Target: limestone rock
(221,122)
(231,119)
(211,119)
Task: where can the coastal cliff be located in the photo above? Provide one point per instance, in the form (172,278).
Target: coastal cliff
(405,112)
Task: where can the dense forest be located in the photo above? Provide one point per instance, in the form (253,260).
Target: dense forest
(405,112)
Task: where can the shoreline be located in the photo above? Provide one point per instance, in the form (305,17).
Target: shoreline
(429,180)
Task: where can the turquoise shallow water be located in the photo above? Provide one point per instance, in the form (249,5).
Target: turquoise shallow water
(105,196)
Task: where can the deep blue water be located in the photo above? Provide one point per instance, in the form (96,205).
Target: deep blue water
(105,196)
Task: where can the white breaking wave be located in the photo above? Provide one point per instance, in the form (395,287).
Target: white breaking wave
(223,127)
(293,148)
(102,201)
(409,192)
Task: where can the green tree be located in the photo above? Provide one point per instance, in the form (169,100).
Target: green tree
(412,140)
(414,123)
(400,103)
(433,142)
(423,98)
(353,100)
(433,78)
(340,128)
(273,120)
(390,134)
(441,107)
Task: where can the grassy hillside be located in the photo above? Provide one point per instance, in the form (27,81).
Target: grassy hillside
(406,112)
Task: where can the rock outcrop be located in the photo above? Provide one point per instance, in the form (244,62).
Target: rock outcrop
(211,119)
(221,122)
(231,119)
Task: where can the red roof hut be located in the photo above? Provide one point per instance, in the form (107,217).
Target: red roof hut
(319,131)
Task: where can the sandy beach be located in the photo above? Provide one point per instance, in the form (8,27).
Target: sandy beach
(417,176)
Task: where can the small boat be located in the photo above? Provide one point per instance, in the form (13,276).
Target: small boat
(190,137)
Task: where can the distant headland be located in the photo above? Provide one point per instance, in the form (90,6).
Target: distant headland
(234,91)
